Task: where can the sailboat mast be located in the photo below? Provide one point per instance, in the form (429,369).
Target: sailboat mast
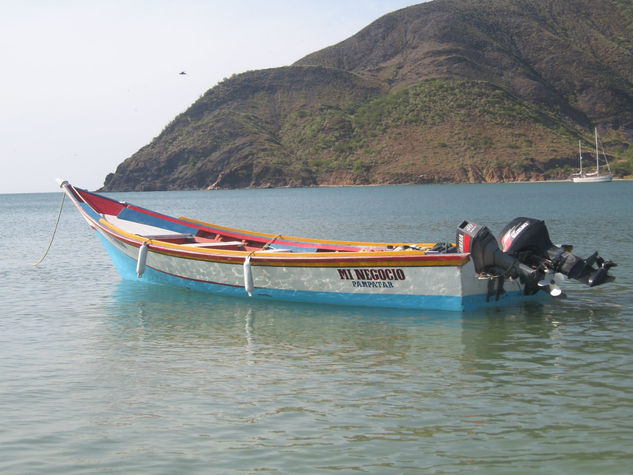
(597,161)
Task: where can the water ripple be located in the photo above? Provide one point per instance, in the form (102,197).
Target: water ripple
(99,375)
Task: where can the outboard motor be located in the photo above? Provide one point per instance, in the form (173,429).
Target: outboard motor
(527,253)
(527,239)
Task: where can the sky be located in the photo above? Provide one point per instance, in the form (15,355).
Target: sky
(84,84)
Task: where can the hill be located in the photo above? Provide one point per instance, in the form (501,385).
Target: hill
(444,91)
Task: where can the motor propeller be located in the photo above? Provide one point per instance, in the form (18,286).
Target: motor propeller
(551,287)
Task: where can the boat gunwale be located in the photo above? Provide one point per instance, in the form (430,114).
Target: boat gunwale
(363,258)
(338,245)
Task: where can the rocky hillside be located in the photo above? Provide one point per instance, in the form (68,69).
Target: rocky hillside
(444,91)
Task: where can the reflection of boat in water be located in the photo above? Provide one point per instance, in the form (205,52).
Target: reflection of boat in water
(188,253)
(593,177)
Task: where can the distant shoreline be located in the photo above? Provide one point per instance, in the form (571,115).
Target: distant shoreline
(424,184)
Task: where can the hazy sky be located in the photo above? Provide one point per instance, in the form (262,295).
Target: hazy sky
(84,84)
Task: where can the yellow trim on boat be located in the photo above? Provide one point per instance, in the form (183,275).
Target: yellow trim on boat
(304,240)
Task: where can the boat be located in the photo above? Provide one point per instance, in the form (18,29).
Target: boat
(473,272)
(595,176)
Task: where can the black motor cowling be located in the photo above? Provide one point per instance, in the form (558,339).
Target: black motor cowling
(527,239)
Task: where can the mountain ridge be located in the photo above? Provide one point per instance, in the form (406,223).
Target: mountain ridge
(441,92)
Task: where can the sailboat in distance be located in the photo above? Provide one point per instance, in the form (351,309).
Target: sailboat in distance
(594,176)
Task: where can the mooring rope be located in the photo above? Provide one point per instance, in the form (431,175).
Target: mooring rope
(61,207)
(267,245)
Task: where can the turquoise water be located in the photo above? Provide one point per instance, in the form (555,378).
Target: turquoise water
(98,375)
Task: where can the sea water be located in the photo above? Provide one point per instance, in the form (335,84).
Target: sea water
(100,375)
